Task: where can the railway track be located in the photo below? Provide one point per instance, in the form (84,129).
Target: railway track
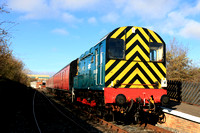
(104,126)
(51,117)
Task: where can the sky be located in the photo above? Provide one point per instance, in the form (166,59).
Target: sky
(48,34)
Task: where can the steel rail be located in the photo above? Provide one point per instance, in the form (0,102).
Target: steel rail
(38,127)
(64,114)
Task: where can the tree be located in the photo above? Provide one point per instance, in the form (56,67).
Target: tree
(5,52)
(179,66)
(10,67)
(194,75)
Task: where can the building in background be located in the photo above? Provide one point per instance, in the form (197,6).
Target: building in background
(39,77)
(38,81)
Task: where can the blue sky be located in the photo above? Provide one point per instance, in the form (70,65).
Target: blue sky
(50,33)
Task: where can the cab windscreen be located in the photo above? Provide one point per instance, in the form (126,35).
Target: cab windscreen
(116,48)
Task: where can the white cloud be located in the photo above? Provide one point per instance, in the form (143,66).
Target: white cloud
(172,17)
(191,30)
(183,21)
(149,9)
(73,4)
(69,18)
(25,5)
(39,9)
(173,22)
(31,5)
(92,20)
(120,3)
(32,9)
(187,9)
(191,27)
(110,17)
(60,31)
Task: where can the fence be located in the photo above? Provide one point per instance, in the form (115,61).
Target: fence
(184,91)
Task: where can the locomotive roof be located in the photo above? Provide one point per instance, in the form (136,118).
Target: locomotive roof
(103,38)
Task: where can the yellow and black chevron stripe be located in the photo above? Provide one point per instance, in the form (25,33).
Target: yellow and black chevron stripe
(136,71)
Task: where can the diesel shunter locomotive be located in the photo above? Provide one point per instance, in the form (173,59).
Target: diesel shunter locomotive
(123,74)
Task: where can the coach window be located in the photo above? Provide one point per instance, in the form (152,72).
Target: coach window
(156,51)
(116,48)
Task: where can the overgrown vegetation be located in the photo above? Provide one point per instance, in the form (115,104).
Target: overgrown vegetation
(10,67)
(179,66)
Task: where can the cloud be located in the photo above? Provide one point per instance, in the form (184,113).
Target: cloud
(183,21)
(32,9)
(120,3)
(189,10)
(92,20)
(25,5)
(73,4)
(40,9)
(173,22)
(191,27)
(69,18)
(148,9)
(31,5)
(172,17)
(60,31)
(191,30)
(110,17)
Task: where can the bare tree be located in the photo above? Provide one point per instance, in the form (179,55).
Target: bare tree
(5,52)
(179,66)
(10,67)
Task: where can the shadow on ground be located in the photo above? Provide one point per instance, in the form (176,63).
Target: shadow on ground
(15,99)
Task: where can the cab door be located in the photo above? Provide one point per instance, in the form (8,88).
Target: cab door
(100,64)
(97,66)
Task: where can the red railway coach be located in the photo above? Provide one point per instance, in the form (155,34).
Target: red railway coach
(63,80)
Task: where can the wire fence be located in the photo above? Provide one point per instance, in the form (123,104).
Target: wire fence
(184,91)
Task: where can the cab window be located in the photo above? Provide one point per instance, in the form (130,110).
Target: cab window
(116,48)
(156,51)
